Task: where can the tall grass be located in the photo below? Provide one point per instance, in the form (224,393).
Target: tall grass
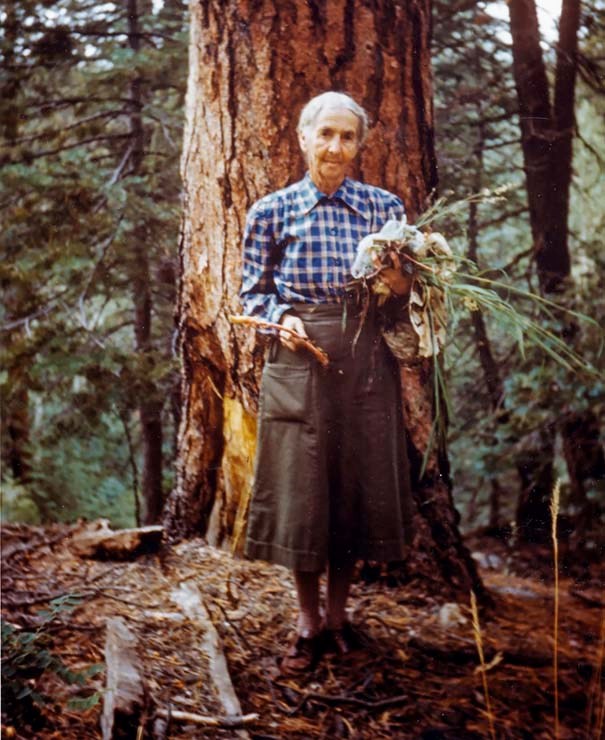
(482,667)
(554,513)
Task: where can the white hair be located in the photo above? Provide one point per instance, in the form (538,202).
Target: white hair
(314,107)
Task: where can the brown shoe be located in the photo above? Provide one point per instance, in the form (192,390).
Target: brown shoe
(343,640)
(303,655)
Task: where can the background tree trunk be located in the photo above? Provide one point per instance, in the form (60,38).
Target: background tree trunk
(547,138)
(15,400)
(150,407)
(546,133)
(250,75)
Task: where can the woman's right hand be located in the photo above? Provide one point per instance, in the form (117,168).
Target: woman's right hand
(295,324)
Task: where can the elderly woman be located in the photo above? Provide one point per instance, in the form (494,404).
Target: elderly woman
(331,481)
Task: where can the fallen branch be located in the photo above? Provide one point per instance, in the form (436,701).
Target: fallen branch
(124,699)
(586,598)
(317,352)
(121,544)
(208,721)
(189,599)
(336,699)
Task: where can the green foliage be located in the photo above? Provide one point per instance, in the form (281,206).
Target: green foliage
(478,147)
(27,655)
(80,204)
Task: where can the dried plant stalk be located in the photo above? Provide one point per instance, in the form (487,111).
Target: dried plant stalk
(316,351)
(483,667)
(554,514)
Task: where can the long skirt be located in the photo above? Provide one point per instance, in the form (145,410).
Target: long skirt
(331,473)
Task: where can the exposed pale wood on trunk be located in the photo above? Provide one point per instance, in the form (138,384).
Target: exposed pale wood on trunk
(124,699)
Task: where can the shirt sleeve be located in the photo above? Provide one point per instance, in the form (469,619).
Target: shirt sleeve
(258,293)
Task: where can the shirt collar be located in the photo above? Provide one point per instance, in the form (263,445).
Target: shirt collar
(349,193)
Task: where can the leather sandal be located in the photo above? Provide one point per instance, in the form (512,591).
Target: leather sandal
(303,655)
(343,640)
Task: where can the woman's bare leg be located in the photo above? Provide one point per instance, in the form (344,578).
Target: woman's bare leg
(307,590)
(339,583)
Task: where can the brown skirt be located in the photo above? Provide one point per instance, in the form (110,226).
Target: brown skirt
(331,473)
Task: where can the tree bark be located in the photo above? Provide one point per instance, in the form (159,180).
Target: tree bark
(585,459)
(150,407)
(546,133)
(249,78)
(561,156)
(536,472)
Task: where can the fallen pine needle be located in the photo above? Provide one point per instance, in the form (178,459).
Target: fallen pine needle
(483,666)
(208,721)
(318,353)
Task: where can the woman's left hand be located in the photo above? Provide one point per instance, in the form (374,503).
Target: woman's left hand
(398,281)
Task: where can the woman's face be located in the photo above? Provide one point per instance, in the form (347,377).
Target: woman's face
(330,145)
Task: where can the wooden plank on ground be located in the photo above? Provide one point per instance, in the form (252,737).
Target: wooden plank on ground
(124,700)
(189,598)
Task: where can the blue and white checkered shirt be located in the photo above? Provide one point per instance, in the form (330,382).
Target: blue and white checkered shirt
(299,244)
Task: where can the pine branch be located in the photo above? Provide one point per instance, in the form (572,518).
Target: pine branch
(503,217)
(50,133)
(61,102)
(49,152)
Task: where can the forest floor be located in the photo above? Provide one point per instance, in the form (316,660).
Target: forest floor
(417,678)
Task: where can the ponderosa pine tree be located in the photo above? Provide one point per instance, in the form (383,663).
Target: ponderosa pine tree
(249,77)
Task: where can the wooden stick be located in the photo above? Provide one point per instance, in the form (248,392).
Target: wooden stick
(318,353)
(189,599)
(208,721)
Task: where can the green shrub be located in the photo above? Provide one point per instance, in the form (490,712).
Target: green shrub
(26,656)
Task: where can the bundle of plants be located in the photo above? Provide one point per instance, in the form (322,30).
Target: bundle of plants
(446,286)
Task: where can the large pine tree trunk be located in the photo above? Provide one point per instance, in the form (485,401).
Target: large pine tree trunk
(252,68)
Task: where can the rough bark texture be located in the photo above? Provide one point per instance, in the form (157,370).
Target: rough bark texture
(546,133)
(250,75)
(585,458)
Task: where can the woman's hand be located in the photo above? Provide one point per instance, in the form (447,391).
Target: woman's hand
(398,281)
(295,324)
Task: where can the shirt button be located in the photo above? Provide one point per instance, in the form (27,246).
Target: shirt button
(334,230)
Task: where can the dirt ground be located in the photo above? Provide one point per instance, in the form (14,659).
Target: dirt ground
(418,676)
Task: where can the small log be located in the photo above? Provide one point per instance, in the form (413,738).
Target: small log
(124,700)
(189,599)
(121,544)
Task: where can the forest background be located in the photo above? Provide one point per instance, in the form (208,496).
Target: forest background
(92,119)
